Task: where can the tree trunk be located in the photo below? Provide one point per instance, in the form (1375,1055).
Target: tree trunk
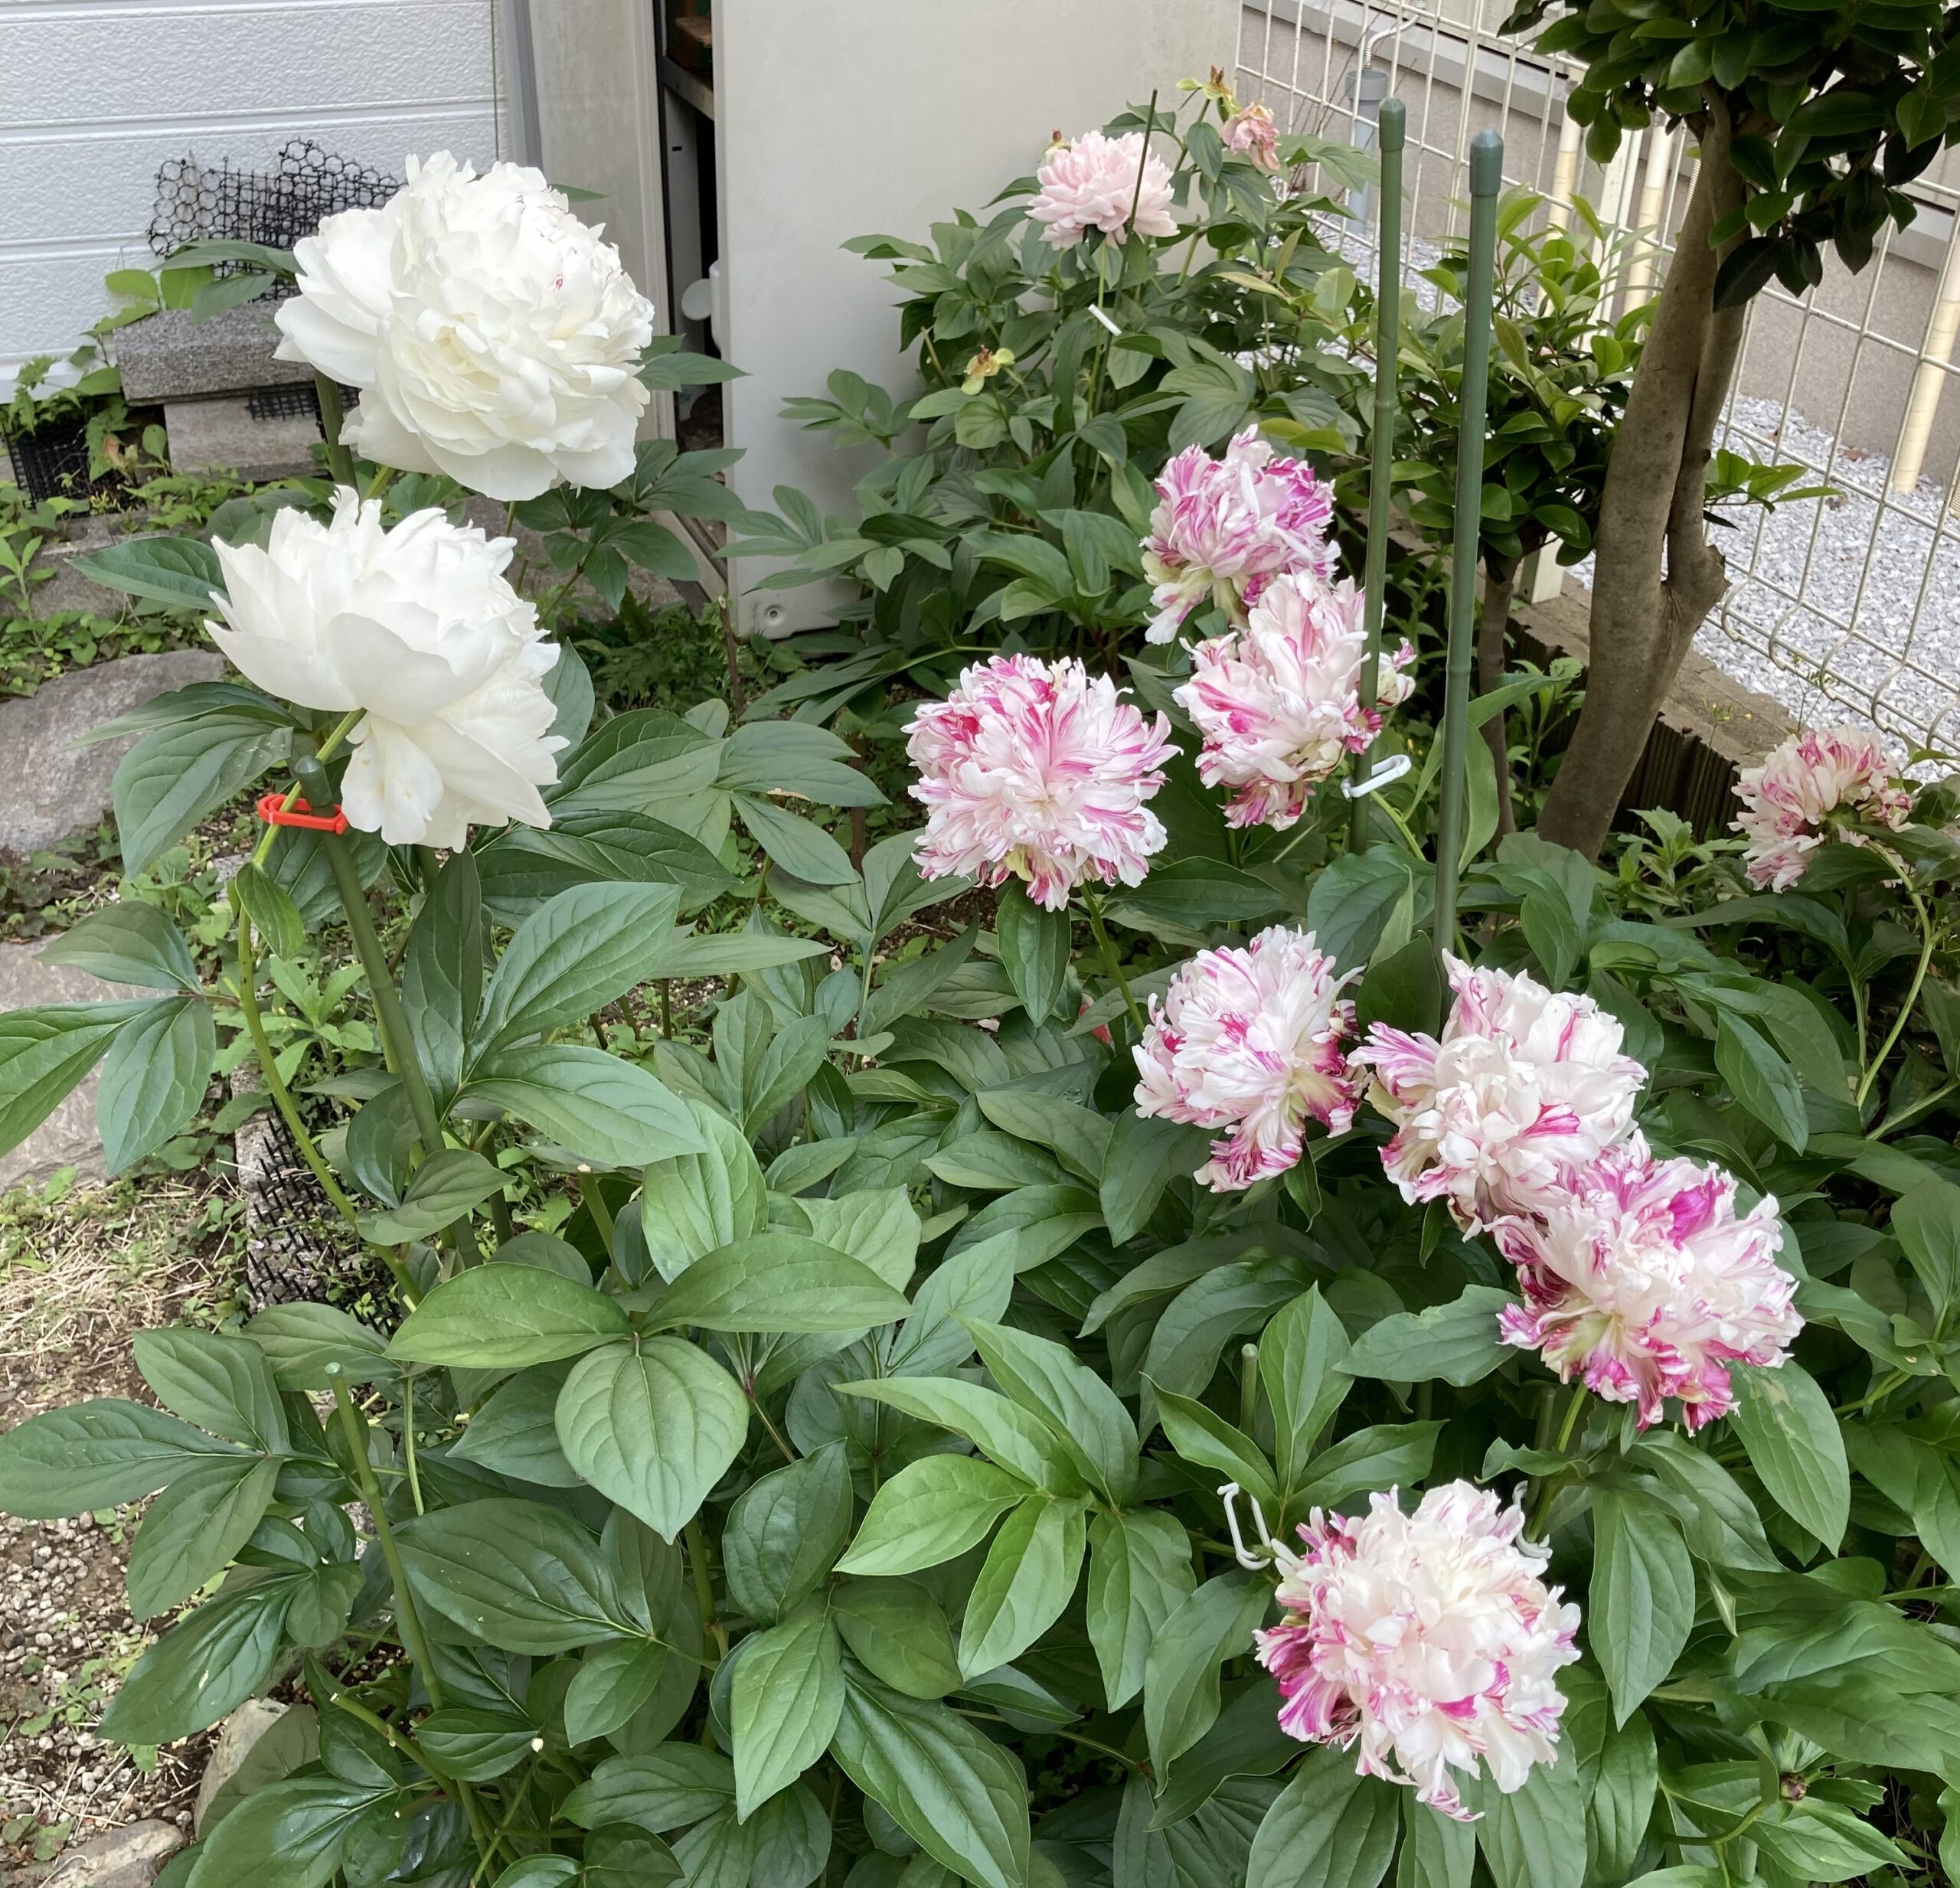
(1500,579)
(1650,515)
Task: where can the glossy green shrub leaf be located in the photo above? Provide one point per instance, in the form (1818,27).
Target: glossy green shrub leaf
(1329,1828)
(956,1793)
(519,1575)
(787,1697)
(1786,1424)
(97,1455)
(653,1426)
(929,1512)
(503,1317)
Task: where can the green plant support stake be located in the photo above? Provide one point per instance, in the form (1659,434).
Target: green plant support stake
(1486,179)
(1381,443)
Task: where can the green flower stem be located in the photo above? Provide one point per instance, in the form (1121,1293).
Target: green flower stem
(697,1547)
(374,964)
(594,1202)
(255,1027)
(408,1442)
(1892,1380)
(1926,936)
(1571,1409)
(1541,1501)
(335,735)
(1094,906)
(498,1836)
(339,461)
(1924,1104)
(775,1435)
(346,1701)
(406,1615)
(409,1620)
(1385,805)
(1136,1764)
(1136,197)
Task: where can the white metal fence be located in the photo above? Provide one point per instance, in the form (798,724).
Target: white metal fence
(1849,605)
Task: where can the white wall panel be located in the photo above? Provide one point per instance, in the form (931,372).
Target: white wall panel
(95,94)
(835,117)
(252,59)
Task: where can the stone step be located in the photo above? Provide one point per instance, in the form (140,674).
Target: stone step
(51,788)
(225,435)
(168,356)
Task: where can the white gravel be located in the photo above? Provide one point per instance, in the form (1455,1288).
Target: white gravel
(1847,606)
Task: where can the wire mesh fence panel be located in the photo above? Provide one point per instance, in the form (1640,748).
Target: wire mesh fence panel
(1842,607)
(277,207)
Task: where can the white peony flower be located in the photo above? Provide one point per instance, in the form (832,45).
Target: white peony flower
(493,335)
(1524,1083)
(1249,1041)
(418,627)
(1641,1278)
(1424,1642)
(1804,791)
(1112,184)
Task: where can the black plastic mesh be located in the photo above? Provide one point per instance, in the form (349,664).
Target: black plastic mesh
(284,402)
(297,1248)
(277,207)
(53,462)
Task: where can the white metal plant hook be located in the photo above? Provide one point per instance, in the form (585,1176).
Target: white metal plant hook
(1275,1555)
(1391,770)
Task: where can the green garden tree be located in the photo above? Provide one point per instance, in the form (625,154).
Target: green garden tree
(1811,117)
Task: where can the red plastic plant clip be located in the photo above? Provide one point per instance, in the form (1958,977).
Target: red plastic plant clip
(273,810)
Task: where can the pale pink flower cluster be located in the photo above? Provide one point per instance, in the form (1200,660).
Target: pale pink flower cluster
(1224,527)
(1525,1084)
(1638,1274)
(1039,770)
(1250,1041)
(1278,703)
(1788,801)
(1427,1640)
(1251,132)
(1640,1278)
(1092,185)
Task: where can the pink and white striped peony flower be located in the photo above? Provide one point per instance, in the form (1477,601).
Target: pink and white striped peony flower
(1224,527)
(1788,801)
(1092,185)
(1039,770)
(1640,1278)
(1249,1041)
(1428,1639)
(1278,702)
(1250,130)
(1525,1083)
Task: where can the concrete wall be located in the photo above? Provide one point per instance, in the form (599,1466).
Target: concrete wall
(1299,52)
(96,94)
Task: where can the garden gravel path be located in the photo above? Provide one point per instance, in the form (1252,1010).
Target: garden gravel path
(1848,647)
